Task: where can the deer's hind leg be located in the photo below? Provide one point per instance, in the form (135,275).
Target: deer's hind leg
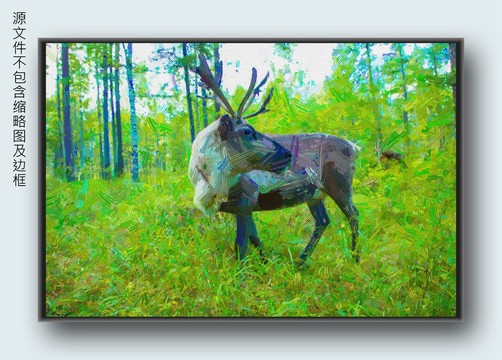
(352,215)
(339,188)
(318,211)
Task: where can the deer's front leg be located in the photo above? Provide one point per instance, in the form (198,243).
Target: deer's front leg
(255,239)
(241,199)
(244,229)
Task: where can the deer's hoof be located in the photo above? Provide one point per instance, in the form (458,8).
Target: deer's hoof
(300,265)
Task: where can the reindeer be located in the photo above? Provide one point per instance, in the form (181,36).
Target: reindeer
(319,165)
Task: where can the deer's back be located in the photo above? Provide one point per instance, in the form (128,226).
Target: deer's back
(314,151)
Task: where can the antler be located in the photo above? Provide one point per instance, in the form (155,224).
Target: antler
(256,92)
(248,93)
(208,79)
(263,108)
(213,84)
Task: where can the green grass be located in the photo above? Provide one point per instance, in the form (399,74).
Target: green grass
(115,248)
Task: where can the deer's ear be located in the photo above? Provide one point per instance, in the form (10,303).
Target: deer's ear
(226,126)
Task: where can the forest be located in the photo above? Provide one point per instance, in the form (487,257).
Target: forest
(124,239)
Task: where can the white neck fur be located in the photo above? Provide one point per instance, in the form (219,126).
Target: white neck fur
(209,170)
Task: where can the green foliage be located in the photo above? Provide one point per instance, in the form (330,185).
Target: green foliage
(118,248)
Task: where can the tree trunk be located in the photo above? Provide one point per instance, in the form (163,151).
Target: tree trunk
(217,72)
(196,105)
(98,106)
(101,157)
(158,161)
(403,77)
(90,150)
(120,157)
(442,136)
(68,145)
(82,138)
(187,87)
(59,154)
(204,107)
(132,102)
(112,107)
(173,76)
(452,49)
(405,95)
(376,112)
(106,139)
(204,101)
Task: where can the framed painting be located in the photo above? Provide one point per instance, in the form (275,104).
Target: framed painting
(303,179)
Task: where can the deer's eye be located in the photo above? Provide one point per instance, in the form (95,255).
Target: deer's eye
(249,133)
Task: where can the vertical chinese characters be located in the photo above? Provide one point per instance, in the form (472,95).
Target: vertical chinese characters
(19,100)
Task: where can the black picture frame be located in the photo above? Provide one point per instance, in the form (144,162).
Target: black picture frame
(459,186)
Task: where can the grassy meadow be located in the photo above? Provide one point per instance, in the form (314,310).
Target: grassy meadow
(122,249)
